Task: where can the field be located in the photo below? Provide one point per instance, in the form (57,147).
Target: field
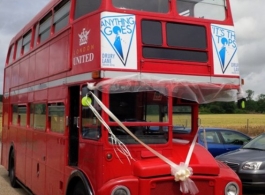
(252,124)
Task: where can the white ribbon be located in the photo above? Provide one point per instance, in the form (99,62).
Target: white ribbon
(180,172)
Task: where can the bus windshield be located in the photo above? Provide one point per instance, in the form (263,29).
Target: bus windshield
(139,111)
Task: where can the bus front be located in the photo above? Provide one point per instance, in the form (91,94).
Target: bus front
(156,61)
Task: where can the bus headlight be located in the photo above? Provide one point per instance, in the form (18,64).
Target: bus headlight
(231,189)
(120,190)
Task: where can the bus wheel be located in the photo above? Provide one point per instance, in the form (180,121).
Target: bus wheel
(12,175)
(79,189)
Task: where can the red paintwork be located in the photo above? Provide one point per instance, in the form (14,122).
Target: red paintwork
(41,158)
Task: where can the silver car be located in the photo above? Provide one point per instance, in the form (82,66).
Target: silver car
(248,162)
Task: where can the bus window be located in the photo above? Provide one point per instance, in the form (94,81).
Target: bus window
(83,7)
(11,54)
(39,117)
(182,119)
(90,124)
(22,112)
(14,114)
(138,109)
(61,15)
(57,117)
(160,6)
(45,27)
(36,34)
(196,8)
(26,42)
(186,36)
(19,47)
(152,32)
(140,106)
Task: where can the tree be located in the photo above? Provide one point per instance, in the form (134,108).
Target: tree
(261,103)
(250,94)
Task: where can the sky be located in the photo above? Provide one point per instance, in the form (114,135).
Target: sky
(248,15)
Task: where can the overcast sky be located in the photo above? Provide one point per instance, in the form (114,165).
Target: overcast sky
(249,17)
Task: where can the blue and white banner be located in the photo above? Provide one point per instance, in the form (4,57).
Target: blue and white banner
(118,41)
(224,50)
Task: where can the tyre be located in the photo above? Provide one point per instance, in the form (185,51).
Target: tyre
(79,189)
(12,175)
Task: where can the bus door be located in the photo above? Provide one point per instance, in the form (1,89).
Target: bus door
(74,105)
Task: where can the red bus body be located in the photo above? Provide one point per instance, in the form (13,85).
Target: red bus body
(149,67)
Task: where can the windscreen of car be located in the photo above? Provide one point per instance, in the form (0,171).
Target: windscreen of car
(257,143)
(231,137)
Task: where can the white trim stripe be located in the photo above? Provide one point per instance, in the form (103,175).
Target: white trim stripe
(115,74)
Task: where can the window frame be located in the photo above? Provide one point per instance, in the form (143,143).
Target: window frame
(11,54)
(61,13)
(18,51)
(35,127)
(45,28)
(22,120)
(26,42)
(61,107)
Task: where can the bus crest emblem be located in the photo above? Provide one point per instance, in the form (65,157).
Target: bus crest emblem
(83,37)
(118,37)
(225,49)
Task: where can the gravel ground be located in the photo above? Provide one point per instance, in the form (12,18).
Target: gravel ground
(5,188)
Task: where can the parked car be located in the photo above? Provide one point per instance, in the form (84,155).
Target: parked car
(249,163)
(218,140)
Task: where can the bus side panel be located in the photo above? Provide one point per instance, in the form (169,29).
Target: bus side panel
(13,137)
(57,93)
(7,80)
(21,154)
(4,147)
(15,76)
(86,57)
(5,135)
(59,54)
(23,71)
(91,155)
(31,65)
(38,162)
(55,163)
(41,65)
(28,168)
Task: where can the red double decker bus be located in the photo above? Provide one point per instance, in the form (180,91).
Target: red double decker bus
(102,97)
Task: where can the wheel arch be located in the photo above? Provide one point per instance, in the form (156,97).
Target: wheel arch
(75,177)
(11,149)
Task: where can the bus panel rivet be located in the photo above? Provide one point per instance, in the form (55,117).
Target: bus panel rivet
(109,156)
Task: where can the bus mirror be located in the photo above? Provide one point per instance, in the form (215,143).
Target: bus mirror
(241,103)
(84,91)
